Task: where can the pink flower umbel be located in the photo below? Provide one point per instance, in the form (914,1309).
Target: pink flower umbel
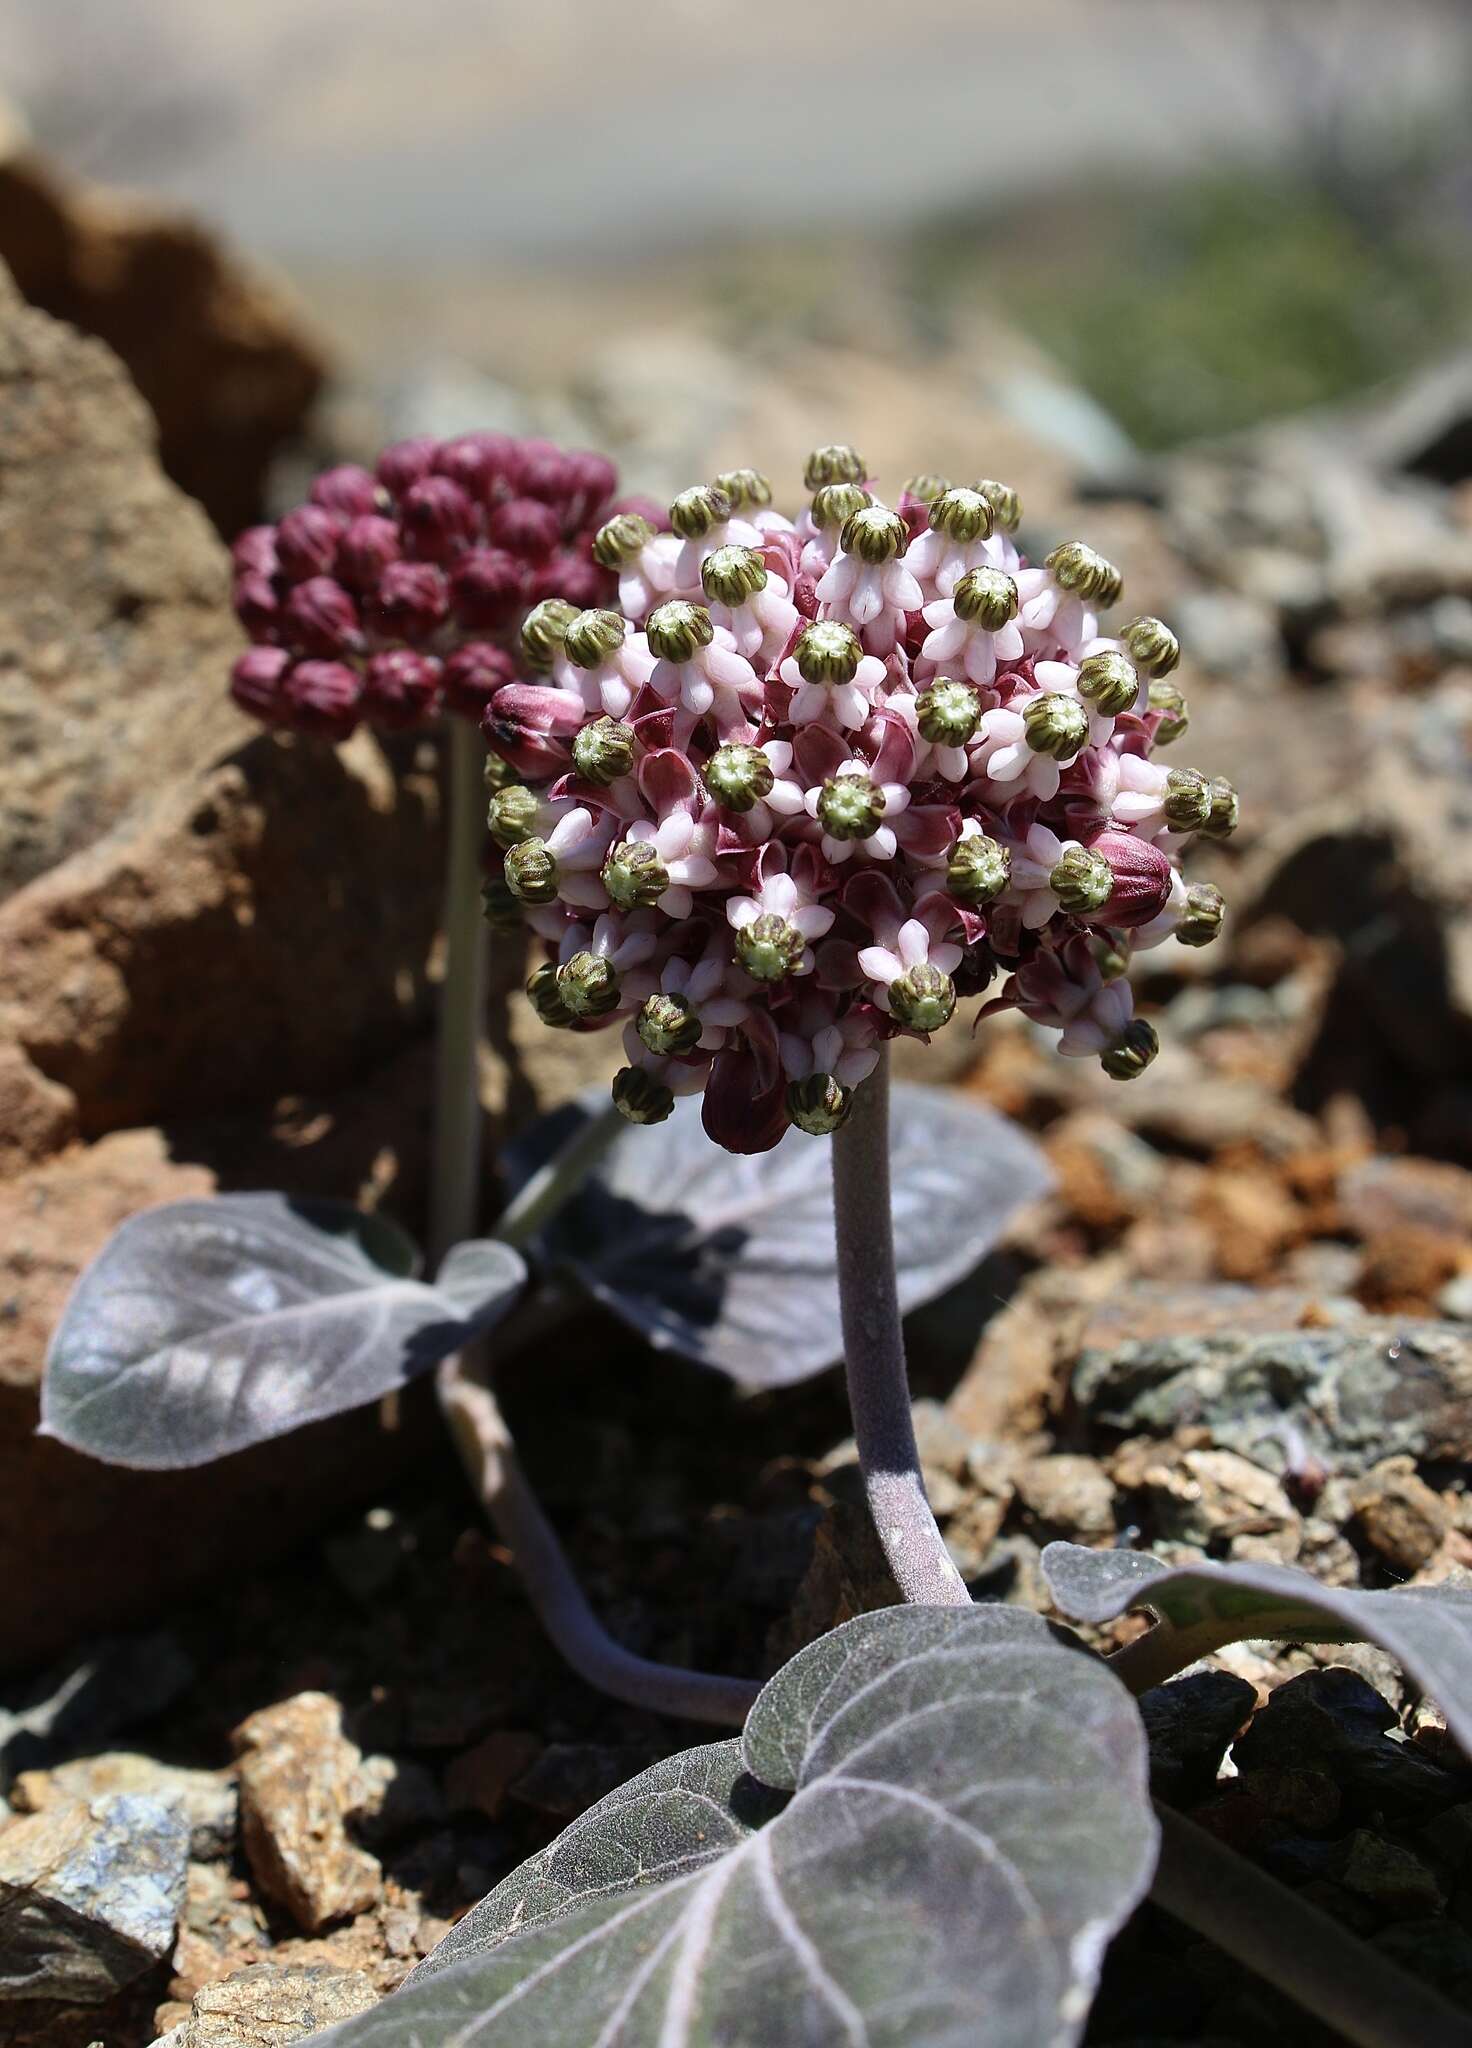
(814,782)
(407,577)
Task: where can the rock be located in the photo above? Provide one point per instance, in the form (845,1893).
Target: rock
(569,1777)
(106,1686)
(479,1780)
(300,1779)
(1189,1724)
(1067,1495)
(1344,1395)
(1455,1299)
(1307,1800)
(207,1799)
(1333,1721)
(1438,1951)
(1216,1499)
(1399,1516)
(268,2006)
(225,360)
(1253,1220)
(1392,1878)
(847,1573)
(396,1797)
(89,1896)
(115,631)
(1376,1195)
(1007,1389)
(1107,1176)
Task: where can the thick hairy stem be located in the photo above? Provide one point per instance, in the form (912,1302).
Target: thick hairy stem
(874,1348)
(486,1450)
(1309,1957)
(457,1124)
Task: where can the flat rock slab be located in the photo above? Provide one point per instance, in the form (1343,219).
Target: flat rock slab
(268,2007)
(90,1896)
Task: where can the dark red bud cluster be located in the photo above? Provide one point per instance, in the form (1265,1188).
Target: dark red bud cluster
(397,593)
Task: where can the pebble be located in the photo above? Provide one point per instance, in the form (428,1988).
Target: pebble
(1398,1515)
(90,1896)
(481,1779)
(300,1778)
(569,1777)
(208,1800)
(1189,1723)
(267,2006)
(1391,1877)
(1333,1719)
(108,1686)
(1067,1495)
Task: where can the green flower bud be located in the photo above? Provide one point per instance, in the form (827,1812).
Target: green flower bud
(1082,881)
(738,776)
(835,464)
(1187,800)
(512,815)
(963,515)
(1078,569)
(697,510)
(1111,954)
(985,598)
(828,652)
(923,999)
(634,875)
(769,948)
(1056,725)
(948,712)
(678,630)
(640,1098)
(1224,810)
(732,575)
(819,1104)
(1166,698)
(745,489)
(531,872)
(850,807)
(588,985)
(668,1024)
(498,906)
(1202,918)
(545,997)
(1151,645)
(875,535)
(499,774)
(1109,683)
(1004,501)
(836,504)
(927,488)
(543,631)
(1131,1052)
(594,637)
(979,869)
(603,751)
(621,540)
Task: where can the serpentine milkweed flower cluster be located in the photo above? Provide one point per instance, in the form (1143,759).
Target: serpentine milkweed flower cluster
(395,594)
(813,782)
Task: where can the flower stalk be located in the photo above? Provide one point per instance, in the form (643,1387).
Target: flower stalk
(874,1353)
(458,1120)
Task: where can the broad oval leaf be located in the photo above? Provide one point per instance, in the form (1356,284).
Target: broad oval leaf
(934,1821)
(729,1260)
(205,1326)
(1427,1629)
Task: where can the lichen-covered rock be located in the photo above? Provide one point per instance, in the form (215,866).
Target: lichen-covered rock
(207,1799)
(300,1779)
(267,2006)
(89,1896)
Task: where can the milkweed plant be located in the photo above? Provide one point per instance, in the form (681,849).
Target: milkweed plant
(763,794)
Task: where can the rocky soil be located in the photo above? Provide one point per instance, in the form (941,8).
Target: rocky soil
(297,1704)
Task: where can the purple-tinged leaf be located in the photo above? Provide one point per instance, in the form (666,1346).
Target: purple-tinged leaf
(729,1260)
(933,1824)
(206,1326)
(1427,1629)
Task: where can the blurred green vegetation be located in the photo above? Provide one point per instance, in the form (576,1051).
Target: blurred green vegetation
(1202,307)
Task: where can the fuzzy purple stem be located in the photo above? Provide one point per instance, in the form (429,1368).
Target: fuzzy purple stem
(486,1450)
(874,1347)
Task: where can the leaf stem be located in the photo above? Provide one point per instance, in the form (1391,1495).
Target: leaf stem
(489,1457)
(1309,1957)
(874,1348)
(458,1121)
(559,1179)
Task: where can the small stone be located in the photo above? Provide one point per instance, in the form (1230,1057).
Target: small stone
(1395,1880)
(943,1443)
(1189,1724)
(207,1799)
(1398,1515)
(1376,1195)
(1067,1493)
(268,2006)
(1211,1498)
(1437,1951)
(1332,1719)
(1455,1299)
(299,1779)
(77,1705)
(569,1777)
(1306,1800)
(480,1780)
(90,1896)
(394,1797)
